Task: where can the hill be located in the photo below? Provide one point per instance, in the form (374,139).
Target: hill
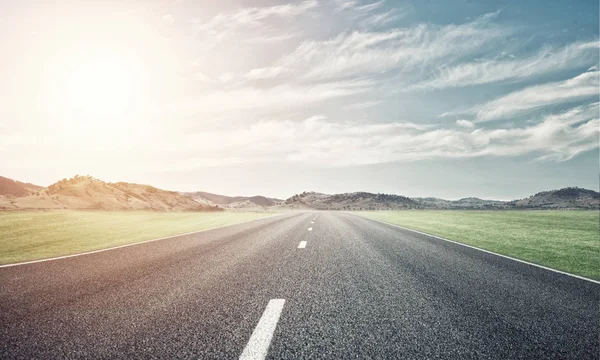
(16,188)
(465,203)
(232,201)
(567,198)
(86,192)
(350,201)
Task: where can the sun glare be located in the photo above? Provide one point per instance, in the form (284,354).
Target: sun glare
(100,88)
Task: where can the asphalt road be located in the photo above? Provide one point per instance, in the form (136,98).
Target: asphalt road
(357,289)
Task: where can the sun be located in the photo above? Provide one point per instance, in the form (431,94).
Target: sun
(100,88)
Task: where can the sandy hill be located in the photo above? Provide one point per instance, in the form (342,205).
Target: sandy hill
(567,198)
(86,192)
(16,188)
(232,201)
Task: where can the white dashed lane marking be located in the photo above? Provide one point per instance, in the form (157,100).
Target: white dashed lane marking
(258,345)
(302,245)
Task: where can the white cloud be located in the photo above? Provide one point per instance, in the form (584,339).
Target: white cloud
(226,77)
(360,53)
(362,105)
(493,70)
(342,5)
(281,97)
(273,37)
(371,14)
(168,18)
(369,7)
(265,73)
(356,6)
(320,141)
(316,118)
(518,102)
(200,76)
(464,123)
(381,19)
(245,19)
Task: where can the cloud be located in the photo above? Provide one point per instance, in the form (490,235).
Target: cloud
(522,101)
(493,70)
(355,6)
(278,98)
(362,105)
(200,76)
(381,19)
(245,19)
(226,77)
(320,141)
(368,7)
(274,37)
(265,73)
(168,18)
(364,53)
(464,123)
(342,5)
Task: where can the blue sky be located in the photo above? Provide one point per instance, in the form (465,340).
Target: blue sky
(425,98)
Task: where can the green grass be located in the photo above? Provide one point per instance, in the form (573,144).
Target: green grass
(28,235)
(563,240)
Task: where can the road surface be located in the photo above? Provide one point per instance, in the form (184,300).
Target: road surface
(322,285)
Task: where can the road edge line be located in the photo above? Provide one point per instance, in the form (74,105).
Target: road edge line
(484,250)
(132,244)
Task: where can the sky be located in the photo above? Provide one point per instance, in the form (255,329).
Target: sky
(451,99)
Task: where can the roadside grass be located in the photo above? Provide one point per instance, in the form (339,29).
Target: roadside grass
(564,240)
(32,235)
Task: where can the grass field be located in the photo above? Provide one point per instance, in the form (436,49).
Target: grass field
(28,235)
(563,240)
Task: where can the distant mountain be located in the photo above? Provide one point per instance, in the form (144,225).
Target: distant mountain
(86,192)
(350,201)
(571,197)
(232,201)
(16,188)
(307,200)
(567,198)
(465,203)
